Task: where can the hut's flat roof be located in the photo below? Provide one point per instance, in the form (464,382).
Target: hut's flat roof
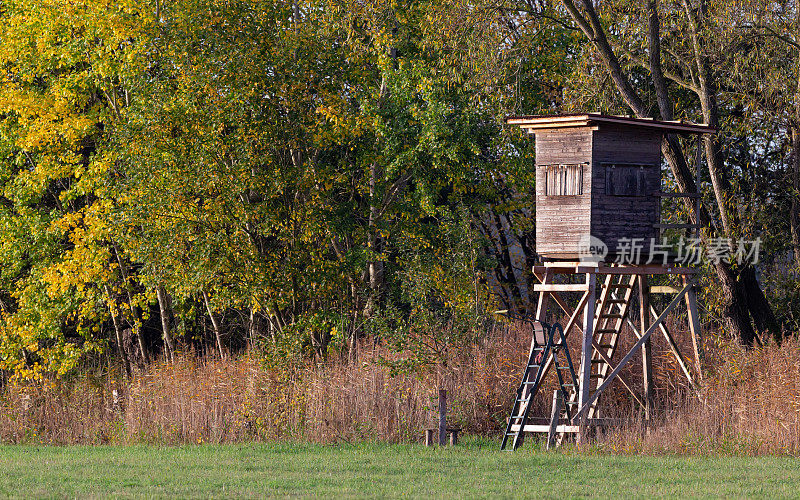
(538,122)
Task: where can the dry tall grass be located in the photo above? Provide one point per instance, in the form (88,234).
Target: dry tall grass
(749,403)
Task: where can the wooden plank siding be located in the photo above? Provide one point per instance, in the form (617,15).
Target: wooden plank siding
(615,217)
(561,221)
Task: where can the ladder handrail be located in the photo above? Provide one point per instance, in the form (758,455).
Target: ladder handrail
(518,399)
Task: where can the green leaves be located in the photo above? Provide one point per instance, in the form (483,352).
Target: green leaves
(62,74)
(294,163)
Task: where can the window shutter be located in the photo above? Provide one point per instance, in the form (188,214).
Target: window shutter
(563,179)
(626,180)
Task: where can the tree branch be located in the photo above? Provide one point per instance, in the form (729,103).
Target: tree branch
(596,34)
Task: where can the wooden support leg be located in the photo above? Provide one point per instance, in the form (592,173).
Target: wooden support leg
(647,357)
(586,355)
(544,297)
(555,416)
(694,328)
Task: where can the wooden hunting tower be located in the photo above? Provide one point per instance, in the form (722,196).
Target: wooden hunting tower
(599,177)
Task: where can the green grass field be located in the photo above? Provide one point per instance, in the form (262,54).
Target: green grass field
(475,469)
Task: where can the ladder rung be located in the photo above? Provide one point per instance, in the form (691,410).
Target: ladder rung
(605,346)
(615,301)
(612,315)
(605,330)
(595,375)
(571,402)
(598,360)
(617,285)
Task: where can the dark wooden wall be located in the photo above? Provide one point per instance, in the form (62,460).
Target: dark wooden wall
(615,217)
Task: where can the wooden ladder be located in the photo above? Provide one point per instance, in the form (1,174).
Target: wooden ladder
(545,346)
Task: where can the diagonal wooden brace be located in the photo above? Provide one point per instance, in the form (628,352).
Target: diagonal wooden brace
(670,341)
(621,378)
(675,349)
(585,406)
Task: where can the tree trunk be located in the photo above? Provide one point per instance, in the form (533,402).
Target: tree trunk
(654,49)
(706,91)
(734,312)
(252,328)
(374,270)
(215,325)
(794,157)
(763,316)
(137,329)
(118,334)
(163,305)
(509,289)
(374,266)
(749,290)
(794,218)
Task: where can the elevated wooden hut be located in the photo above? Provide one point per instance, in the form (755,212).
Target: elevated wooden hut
(597,175)
(598,182)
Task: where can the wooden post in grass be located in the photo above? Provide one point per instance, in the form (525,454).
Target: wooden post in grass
(442,417)
(429,437)
(555,416)
(454,436)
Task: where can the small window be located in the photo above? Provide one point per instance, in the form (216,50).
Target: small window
(563,180)
(626,180)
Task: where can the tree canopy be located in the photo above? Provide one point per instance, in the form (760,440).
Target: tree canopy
(297,176)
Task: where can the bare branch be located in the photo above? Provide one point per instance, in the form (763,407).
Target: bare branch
(670,75)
